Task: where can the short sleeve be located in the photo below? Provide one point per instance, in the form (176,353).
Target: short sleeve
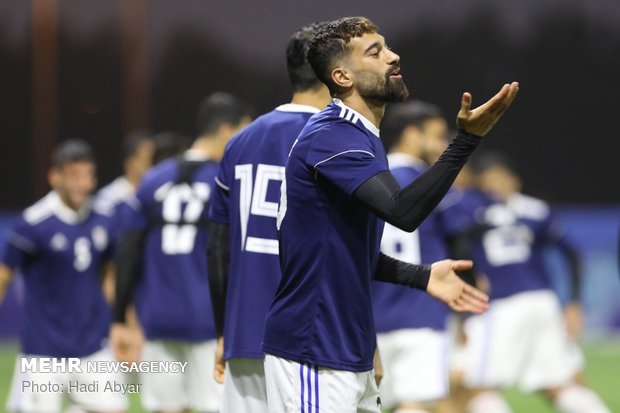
(346,156)
(218,210)
(20,244)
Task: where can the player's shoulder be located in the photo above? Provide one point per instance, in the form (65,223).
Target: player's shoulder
(114,193)
(404,164)
(281,118)
(529,207)
(159,173)
(40,211)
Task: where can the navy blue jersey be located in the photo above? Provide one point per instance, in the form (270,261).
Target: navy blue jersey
(329,245)
(397,307)
(509,251)
(246,198)
(60,253)
(172,299)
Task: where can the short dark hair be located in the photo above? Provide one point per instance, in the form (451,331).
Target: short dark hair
(299,70)
(72,150)
(400,116)
(169,144)
(133,141)
(484,161)
(219,108)
(330,44)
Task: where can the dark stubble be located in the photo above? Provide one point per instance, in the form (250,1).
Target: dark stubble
(382,88)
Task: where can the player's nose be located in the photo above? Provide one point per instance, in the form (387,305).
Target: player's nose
(393,58)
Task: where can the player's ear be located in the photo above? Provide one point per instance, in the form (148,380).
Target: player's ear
(53,177)
(342,78)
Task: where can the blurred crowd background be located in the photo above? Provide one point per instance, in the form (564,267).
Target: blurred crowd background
(98,70)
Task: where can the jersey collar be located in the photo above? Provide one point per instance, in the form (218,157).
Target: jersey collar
(196,155)
(295,107)
(66,214)
(399,160)
(367,124)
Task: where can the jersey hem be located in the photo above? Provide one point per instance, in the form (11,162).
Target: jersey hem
(330,364)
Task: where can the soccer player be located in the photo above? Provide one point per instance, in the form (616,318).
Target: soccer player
(319,331)
(243,214)
(166,242)
(137,159)
(61,247)
(524,339)
(411,325)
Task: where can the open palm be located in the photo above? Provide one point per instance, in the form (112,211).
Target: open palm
(448,287)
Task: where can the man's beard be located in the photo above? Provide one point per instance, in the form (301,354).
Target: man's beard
(383,89)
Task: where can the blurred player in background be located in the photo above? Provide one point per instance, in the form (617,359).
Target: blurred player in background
(319,330)
(411,324)
(166,243)
(523,340)
(137,159)
(61,246)
(169,144)
(243,226)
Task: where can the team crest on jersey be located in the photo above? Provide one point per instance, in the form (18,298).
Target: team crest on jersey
(100,238)
(59,242)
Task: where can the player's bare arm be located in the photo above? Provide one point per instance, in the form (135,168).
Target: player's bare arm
(6,275)
(108,281)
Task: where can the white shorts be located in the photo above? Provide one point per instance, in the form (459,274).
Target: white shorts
(245,389)
(522,340)
(295,388)
(415,365)
(194,389)
(44,392)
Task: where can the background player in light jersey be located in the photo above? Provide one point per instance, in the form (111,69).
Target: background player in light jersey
(319,330)
(243,214)
(61,247)
(167,238)
(138,151)
(411,325)
(523,340)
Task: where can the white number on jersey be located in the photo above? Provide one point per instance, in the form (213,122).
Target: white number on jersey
(507,245)
(83,256)
(401,245)
(253,201)
(179,234)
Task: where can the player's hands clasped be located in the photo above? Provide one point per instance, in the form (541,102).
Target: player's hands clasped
(480,121)
(448,287)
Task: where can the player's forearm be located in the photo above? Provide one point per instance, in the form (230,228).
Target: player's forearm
(218,259)
(406,208)
(127,274)
(399,272)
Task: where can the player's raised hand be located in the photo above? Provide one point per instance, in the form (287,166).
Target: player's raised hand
(220,364)
(480,121)
(448,287)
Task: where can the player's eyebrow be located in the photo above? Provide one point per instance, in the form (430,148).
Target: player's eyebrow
(378,44)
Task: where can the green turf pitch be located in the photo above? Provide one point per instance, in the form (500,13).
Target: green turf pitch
(602,374)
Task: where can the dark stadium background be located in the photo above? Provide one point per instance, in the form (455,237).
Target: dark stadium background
(96,69)
(99,69)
